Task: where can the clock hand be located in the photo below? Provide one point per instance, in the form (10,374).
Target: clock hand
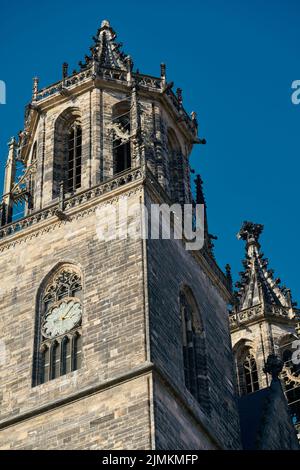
(63,318)
(72,312)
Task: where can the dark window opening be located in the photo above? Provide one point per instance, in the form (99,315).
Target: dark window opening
(77,352)
(65,356)
(68,152)
(74,159)
(121,146)
(55,360)
(122,157)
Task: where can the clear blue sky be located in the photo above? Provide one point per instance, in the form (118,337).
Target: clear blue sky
(234,59)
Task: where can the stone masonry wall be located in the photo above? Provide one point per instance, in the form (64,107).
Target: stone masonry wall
(95,107)
(113,327)
(170,267)
(114,419)
(175,427)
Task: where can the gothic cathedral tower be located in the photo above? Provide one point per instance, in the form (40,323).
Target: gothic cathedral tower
(108,344)
(264,321)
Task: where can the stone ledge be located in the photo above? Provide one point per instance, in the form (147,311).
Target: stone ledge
(143,370)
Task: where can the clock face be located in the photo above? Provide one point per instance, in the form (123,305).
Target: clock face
(62,318)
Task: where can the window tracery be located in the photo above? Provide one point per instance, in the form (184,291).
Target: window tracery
(59,348)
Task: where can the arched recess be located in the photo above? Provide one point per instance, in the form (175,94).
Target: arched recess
(246,367)
(67,161)
(122,153)
(194,349)
(58,335)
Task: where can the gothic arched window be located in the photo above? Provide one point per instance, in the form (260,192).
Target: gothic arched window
(67,165)
(246,370)
(250,373)
(74,158)
(59,341)
(194,350)
(121,137)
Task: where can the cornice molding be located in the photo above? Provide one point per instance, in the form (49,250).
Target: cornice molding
(259,313)
(76,207)
(146,369)
(86,203)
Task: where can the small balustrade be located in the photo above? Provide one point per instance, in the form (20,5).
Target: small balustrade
(72,201)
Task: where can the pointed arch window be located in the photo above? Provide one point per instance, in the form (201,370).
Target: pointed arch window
(194,350)
(73,181)
(246,370)
(121,137)
(67,163)
(58,348)
(66,355)
(251,375)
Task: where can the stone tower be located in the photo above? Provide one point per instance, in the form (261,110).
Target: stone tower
(264,321)
(119,343)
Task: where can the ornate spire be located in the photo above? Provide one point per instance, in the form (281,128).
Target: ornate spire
(35,88)
(250,232)
(200,199)
(228,276)
(257,284)
(106,50)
